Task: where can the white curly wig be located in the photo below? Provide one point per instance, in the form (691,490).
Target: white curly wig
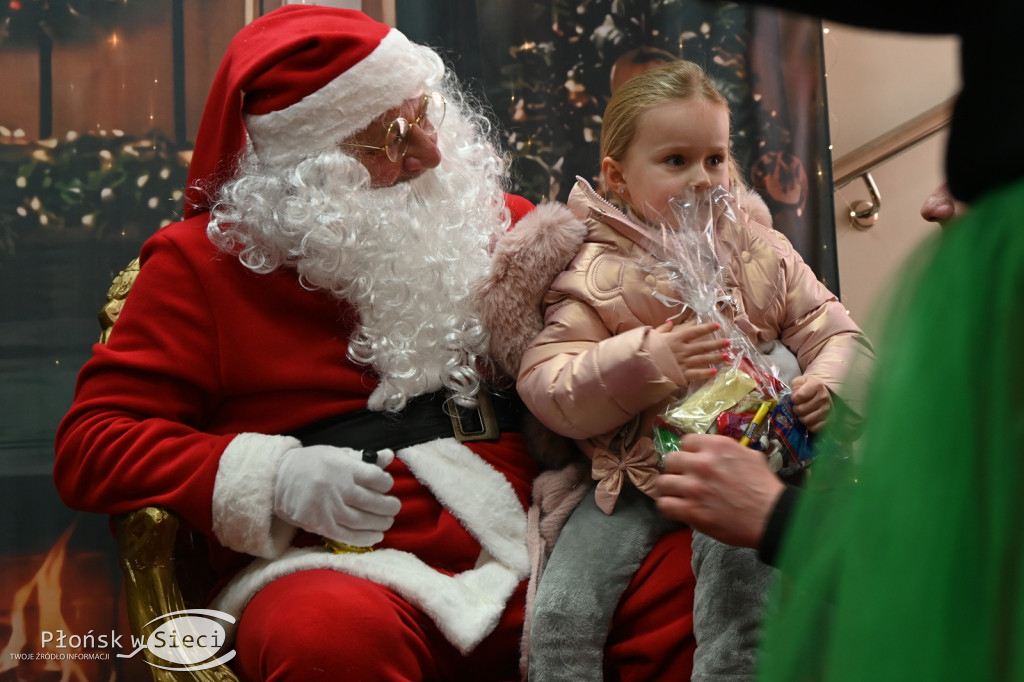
(405,256)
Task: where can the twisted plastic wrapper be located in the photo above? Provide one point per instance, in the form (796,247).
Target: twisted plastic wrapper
(746,399)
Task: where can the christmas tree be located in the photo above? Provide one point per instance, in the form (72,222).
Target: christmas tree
(560,79)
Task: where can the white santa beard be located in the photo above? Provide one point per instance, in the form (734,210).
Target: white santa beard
(410,273)
(405,256)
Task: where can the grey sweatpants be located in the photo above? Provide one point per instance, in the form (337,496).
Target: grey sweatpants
(592,563)
(732,585)
(594,559)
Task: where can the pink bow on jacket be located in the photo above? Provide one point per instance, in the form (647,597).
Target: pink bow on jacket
(639,463)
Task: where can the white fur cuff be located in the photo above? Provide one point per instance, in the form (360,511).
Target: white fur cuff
(243,496)
(466,606)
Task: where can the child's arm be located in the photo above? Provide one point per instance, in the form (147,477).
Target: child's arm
(822,335)
(582,381)
(694,351)
(785,297)
(812,401)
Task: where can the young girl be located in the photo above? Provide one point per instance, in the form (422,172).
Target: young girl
(607,362)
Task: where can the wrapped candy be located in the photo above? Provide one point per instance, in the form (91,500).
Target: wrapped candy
(746,399)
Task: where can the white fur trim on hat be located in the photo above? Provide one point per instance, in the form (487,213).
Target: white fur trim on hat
(243,496)
(397,70)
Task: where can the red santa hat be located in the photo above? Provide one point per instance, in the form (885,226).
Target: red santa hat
(300,80)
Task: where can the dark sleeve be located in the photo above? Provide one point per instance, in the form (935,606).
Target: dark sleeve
(768,547)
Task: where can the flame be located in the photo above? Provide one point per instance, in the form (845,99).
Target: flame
(45,584)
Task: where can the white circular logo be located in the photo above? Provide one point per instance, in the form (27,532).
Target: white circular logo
(191,639)
(187,639)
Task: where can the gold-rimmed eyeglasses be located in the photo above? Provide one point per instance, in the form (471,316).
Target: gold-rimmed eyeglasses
(396,140)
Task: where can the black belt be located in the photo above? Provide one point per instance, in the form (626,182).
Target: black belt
(424,418)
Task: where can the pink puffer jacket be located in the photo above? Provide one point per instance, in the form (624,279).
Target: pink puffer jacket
(598,374)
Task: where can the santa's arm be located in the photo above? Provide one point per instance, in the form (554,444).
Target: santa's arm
(134,435)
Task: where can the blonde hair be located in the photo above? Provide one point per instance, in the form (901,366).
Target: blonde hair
(677,80)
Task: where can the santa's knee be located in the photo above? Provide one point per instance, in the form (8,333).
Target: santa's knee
(325,625)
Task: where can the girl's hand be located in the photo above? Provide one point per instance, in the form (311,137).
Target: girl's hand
(696,353)
(812,402)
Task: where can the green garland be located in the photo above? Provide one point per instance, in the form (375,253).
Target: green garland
(88,186)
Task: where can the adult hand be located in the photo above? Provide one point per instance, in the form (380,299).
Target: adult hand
(812,402)
(718,487)
(332,492)
(694,349)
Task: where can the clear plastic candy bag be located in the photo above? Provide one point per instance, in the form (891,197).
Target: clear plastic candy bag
(746,399)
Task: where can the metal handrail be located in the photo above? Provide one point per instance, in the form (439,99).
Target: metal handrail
(863,159)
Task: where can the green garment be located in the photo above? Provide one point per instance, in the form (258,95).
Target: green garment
(905,560)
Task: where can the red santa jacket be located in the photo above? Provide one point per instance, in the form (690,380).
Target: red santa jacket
(208,365)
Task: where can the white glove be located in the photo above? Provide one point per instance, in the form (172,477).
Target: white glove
(332,492)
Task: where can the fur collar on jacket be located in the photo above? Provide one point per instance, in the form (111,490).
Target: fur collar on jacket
(525,262)
(527,259)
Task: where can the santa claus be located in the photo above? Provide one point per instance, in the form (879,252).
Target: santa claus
(301,373)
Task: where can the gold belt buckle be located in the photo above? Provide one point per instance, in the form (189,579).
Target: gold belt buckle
(471,424)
